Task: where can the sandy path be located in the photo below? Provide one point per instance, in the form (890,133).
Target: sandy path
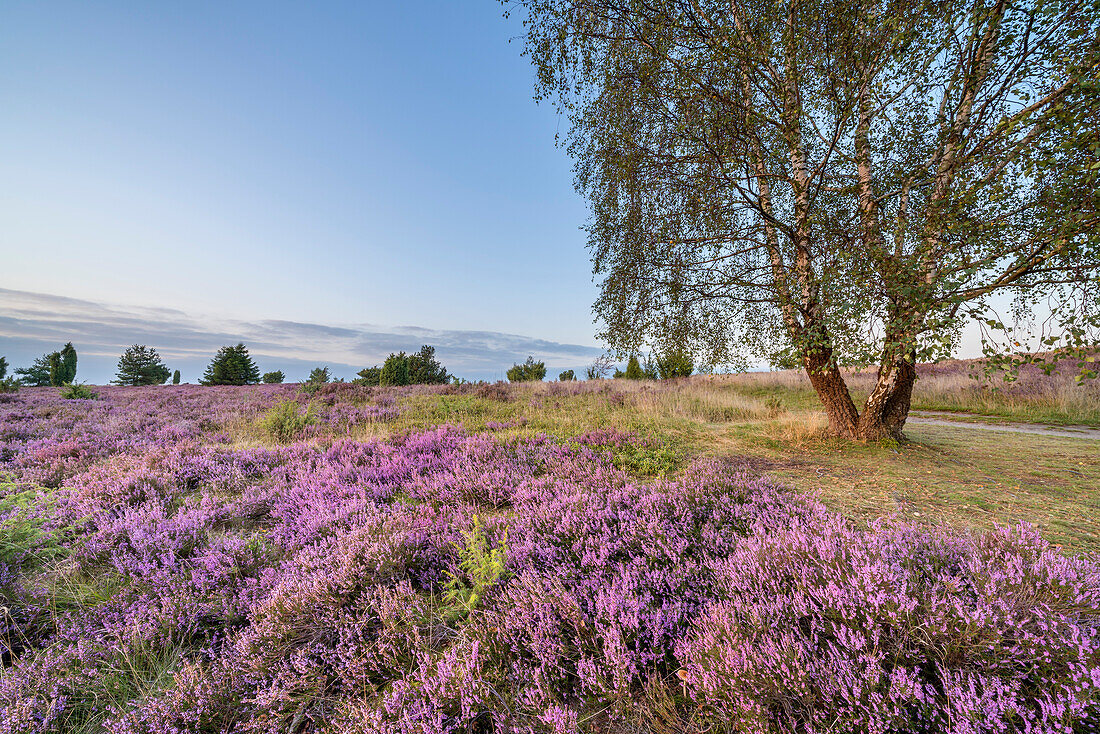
(933,418)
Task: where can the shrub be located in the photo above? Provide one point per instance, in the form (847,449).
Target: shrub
(176,377)
(599,369)
(286,421)
(497,391)
(566,376)
(78,391)
(3,368)
(141,365)
(482,567)
(654,461)
(274,378)
(25,525)
(822,626)
(231,366)
(529,371)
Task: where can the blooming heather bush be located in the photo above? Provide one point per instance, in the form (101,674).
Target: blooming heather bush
(821,626)
(157,580)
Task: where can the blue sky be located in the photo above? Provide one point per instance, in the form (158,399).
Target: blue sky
(330,181)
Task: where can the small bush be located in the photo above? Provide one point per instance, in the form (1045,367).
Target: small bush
(78,391)
(482,566)
(286,421)
(567,376)
(652,461)
(23,517)
(273,378)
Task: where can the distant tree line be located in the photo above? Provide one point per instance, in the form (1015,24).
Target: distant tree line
(142,365)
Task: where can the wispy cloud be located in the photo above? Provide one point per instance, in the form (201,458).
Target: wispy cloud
(33,323)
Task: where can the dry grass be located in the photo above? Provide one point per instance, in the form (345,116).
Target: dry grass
(957,386)
(946,474)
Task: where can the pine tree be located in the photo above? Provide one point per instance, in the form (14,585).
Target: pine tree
(3,368)
(176,377)
(38,374)
(318,376)
(231,366)
(141,365)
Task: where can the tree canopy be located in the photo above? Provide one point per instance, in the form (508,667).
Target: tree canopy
(231,366)
(141,365)
(843,182)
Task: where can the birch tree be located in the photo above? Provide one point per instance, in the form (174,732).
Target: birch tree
(843,183)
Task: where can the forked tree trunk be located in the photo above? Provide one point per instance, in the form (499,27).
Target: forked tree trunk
(887,406)
(833,393)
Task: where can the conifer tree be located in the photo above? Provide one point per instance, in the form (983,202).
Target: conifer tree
(176,377)
(3,368)
(529,371)
(318,376)
(141,365)
(395,371)
(67,360)
(37,374)
(425,369)
(231,366)
(56,369)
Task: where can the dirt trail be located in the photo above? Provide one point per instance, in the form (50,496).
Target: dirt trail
(938,418)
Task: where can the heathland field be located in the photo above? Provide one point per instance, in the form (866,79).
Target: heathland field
(604,556)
